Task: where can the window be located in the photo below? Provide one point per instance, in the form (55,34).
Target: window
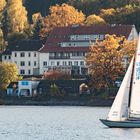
(22,71)
(44,63)
(25,83)
(22,54)
(29,63)
(70,63)
(15,62)
(101,37)
(34,63)
(22,63)
(82,63)
(76,63)
(52,63)
(64,63)
(9,57)
(5,57)
(58,63)
(34,54)
(29,72)
(15,54)
(29,54)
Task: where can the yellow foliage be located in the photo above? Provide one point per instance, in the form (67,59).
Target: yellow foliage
(8,74)
(94,20)
(17,15)
(105,59)
(2,4)
(36,17)
(107,12)
(61,16)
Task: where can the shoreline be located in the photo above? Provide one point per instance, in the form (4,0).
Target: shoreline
(97,102)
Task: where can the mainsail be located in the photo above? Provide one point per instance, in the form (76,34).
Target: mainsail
(135,93)
(119,109)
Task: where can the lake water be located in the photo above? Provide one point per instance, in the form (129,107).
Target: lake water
(59,123)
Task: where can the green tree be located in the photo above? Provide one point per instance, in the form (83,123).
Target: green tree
(8,74)
(38,25)
(15,16)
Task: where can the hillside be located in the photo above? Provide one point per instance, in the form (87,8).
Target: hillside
(89,7)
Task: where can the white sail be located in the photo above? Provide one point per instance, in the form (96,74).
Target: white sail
(135,94)
(119,109)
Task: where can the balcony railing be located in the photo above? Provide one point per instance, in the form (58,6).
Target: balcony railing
(59,57)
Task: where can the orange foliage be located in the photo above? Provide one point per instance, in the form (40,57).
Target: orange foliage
(55,75)
(61,16)
(105,60)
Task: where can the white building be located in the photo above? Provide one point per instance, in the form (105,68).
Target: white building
(25,54)
(66,47)
(27,88)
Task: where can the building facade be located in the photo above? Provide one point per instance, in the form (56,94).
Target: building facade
(66,47)
(25,55)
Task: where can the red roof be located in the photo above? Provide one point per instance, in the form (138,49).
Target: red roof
(61,34)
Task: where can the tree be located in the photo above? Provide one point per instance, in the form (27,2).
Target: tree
(105,60)
(8,74)
(2,42)
(16,16)
(56,75)
(2,5)
(61,16)
(94,20)
(38,25)
(108,14)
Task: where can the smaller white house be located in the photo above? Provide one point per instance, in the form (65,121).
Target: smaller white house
(27,88)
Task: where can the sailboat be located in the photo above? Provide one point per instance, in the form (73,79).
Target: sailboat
(125,110)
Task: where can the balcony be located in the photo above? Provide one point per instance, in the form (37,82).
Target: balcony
(59,57)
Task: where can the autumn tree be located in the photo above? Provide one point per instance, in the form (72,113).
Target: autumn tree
(8,74)
(15,16)
(38,25)
(2,5)
(61,16)
(94,20)
(36,17)
(108,14)
(2,42)
(56,75)
(105,60)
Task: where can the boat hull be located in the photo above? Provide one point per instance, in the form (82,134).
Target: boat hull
(121,124)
